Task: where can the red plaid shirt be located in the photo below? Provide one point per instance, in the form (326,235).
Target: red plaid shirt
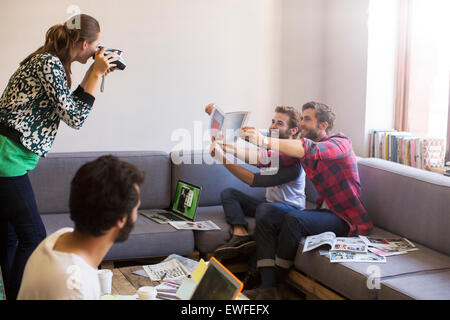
(270,158)
(331,166)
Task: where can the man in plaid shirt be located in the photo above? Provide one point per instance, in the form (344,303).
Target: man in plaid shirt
(330,164)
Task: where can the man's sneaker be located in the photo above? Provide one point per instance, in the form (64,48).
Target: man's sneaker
(237,245)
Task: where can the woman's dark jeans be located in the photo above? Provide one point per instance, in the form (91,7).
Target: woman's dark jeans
(21,230)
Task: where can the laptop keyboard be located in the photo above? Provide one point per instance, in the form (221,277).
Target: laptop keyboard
(170,216)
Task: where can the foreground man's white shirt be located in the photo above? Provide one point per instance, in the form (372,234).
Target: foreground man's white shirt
(55,275)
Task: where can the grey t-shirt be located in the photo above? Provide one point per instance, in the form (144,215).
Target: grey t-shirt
(284,184)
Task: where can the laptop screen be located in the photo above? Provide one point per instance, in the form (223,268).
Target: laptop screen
(186,199)
(217,283)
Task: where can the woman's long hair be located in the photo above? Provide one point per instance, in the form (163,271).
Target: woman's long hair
(61,40)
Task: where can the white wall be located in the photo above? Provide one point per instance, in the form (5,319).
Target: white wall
(381,69)
(345,67)
(252,54)
(325,59)
(303,51)
(181,55)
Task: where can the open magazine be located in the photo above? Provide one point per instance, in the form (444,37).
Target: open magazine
(227,124)
(343,256)
(348,244)
(388,247)
(197,225)
(167,270)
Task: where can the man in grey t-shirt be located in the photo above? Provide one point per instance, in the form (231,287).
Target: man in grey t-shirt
(285,186)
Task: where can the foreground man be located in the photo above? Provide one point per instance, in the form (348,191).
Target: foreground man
(104,199)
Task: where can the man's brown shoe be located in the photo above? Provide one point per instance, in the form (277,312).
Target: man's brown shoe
(237,245)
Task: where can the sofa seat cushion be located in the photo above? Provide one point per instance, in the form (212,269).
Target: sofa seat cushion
(351,279)
(433,285)
(147,239)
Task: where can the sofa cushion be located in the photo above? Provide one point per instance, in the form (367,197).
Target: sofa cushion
(200,169)
(420,286)
(407,201)
(147,239)
(52,177)
(350,279)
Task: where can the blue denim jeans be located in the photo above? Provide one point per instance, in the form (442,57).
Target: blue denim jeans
(279,231)
(21,230)
(237,205)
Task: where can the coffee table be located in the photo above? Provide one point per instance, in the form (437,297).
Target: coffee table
(125,282)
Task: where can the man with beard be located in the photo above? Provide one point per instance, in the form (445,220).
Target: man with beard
(330,164)
(285,189)
(104,199)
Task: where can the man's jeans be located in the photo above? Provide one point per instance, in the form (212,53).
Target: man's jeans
(279,231)
(21,230)
(237,205)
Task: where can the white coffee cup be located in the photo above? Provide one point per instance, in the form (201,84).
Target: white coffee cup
(105,278)
(147,293)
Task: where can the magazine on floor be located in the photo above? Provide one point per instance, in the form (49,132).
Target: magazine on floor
(167,270)
(349,244)
(388,247)
(194,225)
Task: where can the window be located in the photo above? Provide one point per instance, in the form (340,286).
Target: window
(423,74)
(408,73)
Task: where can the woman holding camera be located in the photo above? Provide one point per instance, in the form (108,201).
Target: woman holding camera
(34,102)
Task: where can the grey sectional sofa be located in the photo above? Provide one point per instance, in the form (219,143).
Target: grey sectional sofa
(402,201)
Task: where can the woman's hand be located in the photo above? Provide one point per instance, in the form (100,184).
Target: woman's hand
(110,70)
(103,63)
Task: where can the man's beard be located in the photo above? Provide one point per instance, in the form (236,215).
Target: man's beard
(125,231)
(281,134)
(312,134)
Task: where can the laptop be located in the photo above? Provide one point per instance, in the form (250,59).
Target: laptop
(216,283)
(184,206)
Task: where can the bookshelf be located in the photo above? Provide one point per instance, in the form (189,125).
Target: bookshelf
(405,148)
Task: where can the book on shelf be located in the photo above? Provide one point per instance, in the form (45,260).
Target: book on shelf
(377,142)
(404,148)
(433,153)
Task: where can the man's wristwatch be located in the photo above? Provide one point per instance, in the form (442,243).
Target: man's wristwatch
(265,142)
